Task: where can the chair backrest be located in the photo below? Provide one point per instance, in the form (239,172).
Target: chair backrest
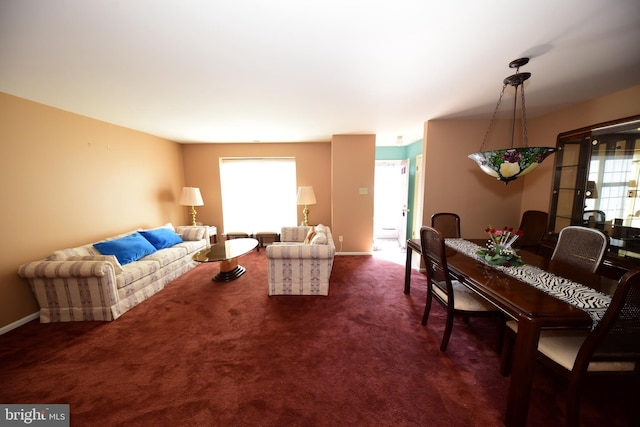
(594,219)
(533,226)
(447,223)
(617,335)
(435,259)
(581,247)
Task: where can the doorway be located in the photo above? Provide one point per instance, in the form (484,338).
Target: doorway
(390,209)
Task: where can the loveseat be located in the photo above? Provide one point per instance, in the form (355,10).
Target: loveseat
(301,263)
(102,280)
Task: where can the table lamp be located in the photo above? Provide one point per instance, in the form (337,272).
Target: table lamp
(191,196)
(306,197)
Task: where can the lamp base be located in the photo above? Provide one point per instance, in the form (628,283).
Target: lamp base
(305,212)
(193,216)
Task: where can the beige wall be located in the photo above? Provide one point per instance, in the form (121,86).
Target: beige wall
(336,170)
(69,180)
(454,183)
(545,130)
(313,167)
(353,169)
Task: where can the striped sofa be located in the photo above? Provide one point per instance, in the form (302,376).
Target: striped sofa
(81,283)
(298,268)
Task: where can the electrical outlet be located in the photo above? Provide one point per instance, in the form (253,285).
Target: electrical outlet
(340,238)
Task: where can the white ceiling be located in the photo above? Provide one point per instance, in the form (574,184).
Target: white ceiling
(303,70)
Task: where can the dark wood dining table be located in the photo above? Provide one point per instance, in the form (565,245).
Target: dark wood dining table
(531,307)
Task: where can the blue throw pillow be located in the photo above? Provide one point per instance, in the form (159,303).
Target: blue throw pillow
(126,249)
(161,238)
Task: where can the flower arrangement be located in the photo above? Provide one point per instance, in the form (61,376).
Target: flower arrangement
(499,250)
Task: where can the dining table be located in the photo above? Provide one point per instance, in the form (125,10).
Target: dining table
(533,307)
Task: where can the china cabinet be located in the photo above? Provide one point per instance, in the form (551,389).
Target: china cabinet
(596,184)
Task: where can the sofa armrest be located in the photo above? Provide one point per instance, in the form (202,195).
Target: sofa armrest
(73,290)
(295,251)
(66,269)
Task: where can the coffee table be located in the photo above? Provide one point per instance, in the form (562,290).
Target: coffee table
(226,253)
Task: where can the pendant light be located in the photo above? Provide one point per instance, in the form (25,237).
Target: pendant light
(510,163)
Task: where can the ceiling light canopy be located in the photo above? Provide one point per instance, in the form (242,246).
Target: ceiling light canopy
(510,163)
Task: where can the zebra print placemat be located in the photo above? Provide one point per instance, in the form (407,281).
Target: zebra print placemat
(593,302)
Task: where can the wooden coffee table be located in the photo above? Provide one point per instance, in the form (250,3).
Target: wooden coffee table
(227,253)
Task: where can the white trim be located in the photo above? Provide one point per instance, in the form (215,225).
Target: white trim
(20,322)
(354,253)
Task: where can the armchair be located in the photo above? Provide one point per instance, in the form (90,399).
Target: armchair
(298,268)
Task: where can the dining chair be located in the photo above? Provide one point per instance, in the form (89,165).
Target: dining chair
(450,293)
(581,247)
(533,226)
(612,347)
(578,246)
(447,223)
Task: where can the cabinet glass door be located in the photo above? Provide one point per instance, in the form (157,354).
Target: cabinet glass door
(568,192)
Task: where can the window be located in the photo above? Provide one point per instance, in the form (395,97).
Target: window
(258,194)
(614,166)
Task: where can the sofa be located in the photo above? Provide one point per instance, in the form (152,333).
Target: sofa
(301,263)
(105,279)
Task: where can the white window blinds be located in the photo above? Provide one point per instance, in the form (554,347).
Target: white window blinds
(258,194)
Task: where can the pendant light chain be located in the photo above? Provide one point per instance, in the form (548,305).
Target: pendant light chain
(493,117)
(525,138)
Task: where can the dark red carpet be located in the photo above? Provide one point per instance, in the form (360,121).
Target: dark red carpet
(201,353)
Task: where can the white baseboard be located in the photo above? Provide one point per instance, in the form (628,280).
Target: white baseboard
(20,322)
(354,253)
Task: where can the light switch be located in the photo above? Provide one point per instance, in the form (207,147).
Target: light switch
(363,190)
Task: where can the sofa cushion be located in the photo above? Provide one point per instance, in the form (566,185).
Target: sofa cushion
(167,255)
(191,245)
(135,271)
(320,238)
(294,234)
(126,249)
(310,235)
(191,233)
(161,238)
(62,254)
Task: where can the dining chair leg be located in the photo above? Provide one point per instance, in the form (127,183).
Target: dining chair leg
(447,330)
(427,307)
(634,411)
(573,401)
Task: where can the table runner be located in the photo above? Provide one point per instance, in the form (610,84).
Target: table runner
(593,302)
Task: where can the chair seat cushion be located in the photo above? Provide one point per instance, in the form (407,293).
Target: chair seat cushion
(562,346)
(464,298)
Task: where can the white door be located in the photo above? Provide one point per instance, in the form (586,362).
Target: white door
(404,203)
(418,199)
(390,200)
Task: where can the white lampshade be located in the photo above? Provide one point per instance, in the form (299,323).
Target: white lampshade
(306,196)
(191,196)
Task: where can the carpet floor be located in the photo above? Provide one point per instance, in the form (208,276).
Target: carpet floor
(202,353)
